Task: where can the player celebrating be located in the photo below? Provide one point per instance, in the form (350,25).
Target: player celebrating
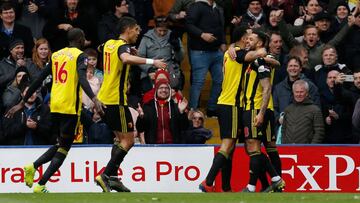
(117,60)
(68,70)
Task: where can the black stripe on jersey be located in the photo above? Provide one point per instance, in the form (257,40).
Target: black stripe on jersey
(77,106)
(247,71)
(254,88)
(237,98)
(122,84)
(239,89)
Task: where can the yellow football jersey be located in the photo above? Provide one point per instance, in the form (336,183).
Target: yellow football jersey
(114,87)
(231,90)
(253,89)
(65,91)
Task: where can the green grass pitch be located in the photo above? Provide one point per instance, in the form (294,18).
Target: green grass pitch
(180,197)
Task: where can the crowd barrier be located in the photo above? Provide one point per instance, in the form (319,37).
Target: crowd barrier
(180,168)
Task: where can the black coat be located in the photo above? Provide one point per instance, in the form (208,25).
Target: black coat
(19,32)
(15,128)
(58,38)
(148,124)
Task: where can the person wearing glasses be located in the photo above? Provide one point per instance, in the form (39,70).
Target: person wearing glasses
(196,133)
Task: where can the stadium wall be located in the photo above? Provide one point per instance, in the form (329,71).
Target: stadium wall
(180,168)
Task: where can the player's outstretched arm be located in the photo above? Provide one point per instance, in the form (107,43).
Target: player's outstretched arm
(136,60)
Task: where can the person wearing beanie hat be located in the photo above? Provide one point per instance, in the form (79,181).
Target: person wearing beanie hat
(15,43)
(254,15)
(8,65)
(160,74)
(21,69)
(322,21)
(162,120)
(341,13)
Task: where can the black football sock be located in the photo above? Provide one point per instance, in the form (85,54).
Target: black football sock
(256,167)
(117,156)
(264,181)
(218,162)
(226,173)
(268,166)
(55,164)
(46,157)
(275,159)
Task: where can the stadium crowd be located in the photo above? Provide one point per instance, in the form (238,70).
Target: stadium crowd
(316,41)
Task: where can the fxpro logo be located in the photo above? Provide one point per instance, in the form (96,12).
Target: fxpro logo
(334,174)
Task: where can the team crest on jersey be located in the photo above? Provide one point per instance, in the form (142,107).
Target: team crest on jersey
(128,50)
(246,132)
(130,125)
(262,69)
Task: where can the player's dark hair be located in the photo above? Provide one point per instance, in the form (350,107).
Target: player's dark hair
(238,32)
(75,34)
(124,23)
(263,37)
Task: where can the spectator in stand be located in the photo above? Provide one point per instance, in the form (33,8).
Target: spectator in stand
(207,44)
(34,14)
(342,11)
(356,117)
(88,115)
(312,39)
(329,63)
(64,20)
(283,92)
(196,133)
(303,122)
(12,94)
(158,43)
(348,96)
(310,10)
(107,24)
(9,65)
(276,50)
(160,74)
(41,54)
(349,53)
(161,119)
(95,84)
(322,21)
(337,114)
(92,56)
(31,125)
(271,25)
(11,30)
(177,15)
(254,16)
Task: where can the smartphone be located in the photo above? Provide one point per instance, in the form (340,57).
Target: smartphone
(349,78)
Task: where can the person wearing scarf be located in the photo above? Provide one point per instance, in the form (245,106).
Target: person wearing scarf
(161,119)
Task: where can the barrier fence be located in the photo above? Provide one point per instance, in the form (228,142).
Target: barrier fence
(180,168)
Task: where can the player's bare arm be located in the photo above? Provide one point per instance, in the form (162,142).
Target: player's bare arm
(252,55)
(136,60)
(266,93)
